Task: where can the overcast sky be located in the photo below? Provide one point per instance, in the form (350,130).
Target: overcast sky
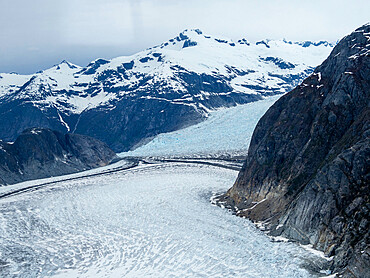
(36,34)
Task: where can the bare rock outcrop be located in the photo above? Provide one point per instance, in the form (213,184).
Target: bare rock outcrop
(307,172)
(40,153)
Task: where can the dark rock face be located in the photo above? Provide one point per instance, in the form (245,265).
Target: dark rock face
(40,153)
(307,172)
(126,124)
(279,62)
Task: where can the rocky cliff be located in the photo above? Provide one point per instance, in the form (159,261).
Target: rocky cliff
(40,153)
(307,174)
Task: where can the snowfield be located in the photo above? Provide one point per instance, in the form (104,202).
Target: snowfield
(150,221)
(267,67)
(227,130)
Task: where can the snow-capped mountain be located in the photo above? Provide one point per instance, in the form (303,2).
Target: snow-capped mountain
(127,99)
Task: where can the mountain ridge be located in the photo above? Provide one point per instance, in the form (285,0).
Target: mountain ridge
(185,77)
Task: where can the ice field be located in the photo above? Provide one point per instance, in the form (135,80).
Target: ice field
(226,130)
(150,221)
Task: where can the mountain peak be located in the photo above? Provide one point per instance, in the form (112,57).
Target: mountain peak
(187,38)
(363,28)
(192,31)
(314,43)
(308,43)
(65,63)
(189,33)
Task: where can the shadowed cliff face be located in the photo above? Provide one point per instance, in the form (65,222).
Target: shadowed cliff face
(307,172)
(40,153)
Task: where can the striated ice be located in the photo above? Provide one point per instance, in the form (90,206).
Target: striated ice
(226,130)
(151,221)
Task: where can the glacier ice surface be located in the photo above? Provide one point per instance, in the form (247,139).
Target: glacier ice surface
(227,130)
(150,221)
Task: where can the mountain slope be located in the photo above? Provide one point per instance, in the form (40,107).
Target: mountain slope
(127,99)
(40,153)
(307,172)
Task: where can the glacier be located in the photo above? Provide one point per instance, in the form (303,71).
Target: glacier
(154,220)
(225,131)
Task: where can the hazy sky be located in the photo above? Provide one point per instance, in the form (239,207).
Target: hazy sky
(36,34)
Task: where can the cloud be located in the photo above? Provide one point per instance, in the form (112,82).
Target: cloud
(37,34)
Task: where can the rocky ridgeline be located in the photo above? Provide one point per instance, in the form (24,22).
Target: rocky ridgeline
(129,99)
(307,174)
(41,153)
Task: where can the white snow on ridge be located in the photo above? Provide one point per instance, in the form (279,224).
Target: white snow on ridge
(11,82)
(227,130)
(163,63)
